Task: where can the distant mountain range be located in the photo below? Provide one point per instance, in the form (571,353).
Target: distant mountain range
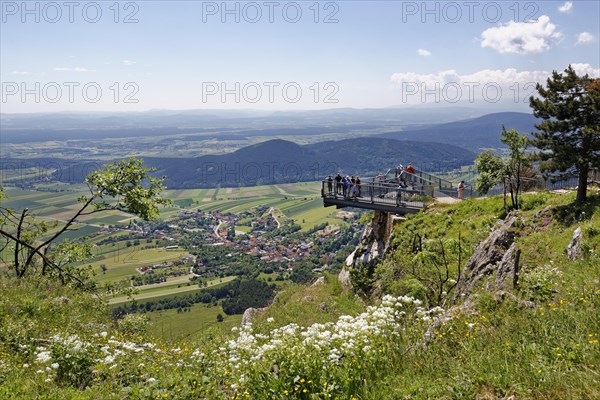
(473,134)
(230,119)
(430,125)
(270,162)
(433,147)
(277,161)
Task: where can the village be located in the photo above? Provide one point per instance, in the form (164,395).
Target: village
(226,244)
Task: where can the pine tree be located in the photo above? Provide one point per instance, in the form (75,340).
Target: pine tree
(569,136)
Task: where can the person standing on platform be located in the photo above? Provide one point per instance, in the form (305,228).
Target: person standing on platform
(461,190)
(338,186)
(410,170)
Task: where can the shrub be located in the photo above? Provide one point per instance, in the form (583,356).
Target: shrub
(539,284)
(136,324)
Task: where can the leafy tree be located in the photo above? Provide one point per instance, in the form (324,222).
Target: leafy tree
(125,186)
(569,137)
(490,169)
(516,161)
(494,169)
(302,274)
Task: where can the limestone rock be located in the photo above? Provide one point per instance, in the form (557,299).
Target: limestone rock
(489,256)
(318,282)
(506,268)
(574,248)
(373,243)
(344,278)
(250,313)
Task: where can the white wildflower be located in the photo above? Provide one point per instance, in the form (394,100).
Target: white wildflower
(108,359)
(43,356)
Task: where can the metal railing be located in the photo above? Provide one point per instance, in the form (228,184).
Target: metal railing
(379,192)
(441,187)
(419,188)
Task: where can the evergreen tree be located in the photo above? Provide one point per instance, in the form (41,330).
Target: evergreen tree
(569,136)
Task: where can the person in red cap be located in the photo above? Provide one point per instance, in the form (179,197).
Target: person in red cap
(411,170)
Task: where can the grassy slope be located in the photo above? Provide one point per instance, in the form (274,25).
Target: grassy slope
(172,325)
(550,351)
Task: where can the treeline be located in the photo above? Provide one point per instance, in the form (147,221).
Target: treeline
(284,230)
(247,293)
(236,296)
(149,279)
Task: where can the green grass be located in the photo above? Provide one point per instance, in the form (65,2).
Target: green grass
(150,292)
(122,262)
(493,346)
(173,325)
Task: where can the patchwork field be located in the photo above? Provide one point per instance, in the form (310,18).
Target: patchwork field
(160,291)
(122,262)
(114,262)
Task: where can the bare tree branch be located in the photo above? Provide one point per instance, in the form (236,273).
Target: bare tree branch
(34,251)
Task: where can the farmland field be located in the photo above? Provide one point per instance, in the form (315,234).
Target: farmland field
(114,260)
(298,201)
(157,292)
(170,324)
(122,262)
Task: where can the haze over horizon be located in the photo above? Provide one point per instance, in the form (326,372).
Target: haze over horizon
(288,56)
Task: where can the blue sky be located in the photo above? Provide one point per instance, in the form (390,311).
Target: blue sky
(287,55)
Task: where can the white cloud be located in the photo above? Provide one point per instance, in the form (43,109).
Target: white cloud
(584,37)
(509,85)
(505,77)
(582,69)
(129,62)
(423,52)
(20,72)
(76,69)
(521,37)
(565,8)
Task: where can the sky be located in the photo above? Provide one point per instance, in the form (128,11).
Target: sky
(286,55)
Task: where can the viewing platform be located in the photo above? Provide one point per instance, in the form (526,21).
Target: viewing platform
(399,194)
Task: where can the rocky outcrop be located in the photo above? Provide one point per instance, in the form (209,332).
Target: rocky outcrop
(344,276)
(574,248)
(508,268)
(497,253)
(250,313)
(373,243)
(320,281)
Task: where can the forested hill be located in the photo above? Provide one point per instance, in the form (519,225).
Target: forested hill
(277,161)
(473,134)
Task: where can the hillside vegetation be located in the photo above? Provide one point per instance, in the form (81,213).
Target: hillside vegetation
(398,340)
